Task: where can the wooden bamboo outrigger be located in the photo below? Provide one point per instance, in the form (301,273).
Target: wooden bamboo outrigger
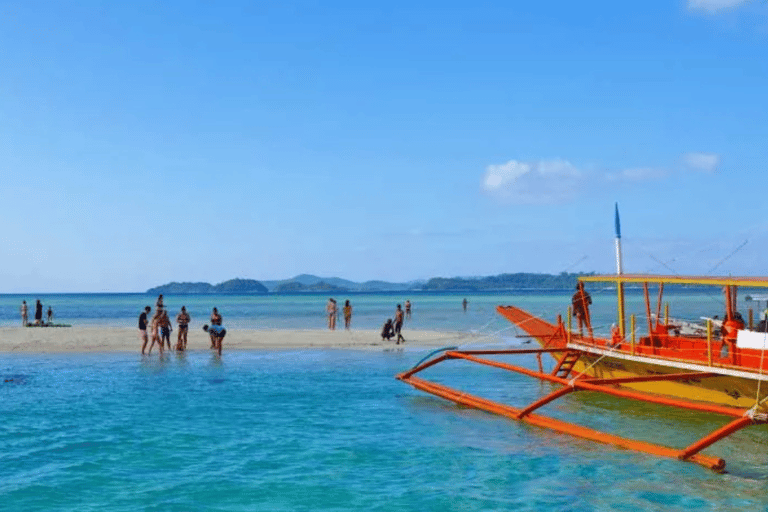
(664,367)
(741,417)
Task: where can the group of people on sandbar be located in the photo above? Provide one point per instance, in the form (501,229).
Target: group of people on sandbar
(38,314)
(161,327)
(391,329)
(332,310)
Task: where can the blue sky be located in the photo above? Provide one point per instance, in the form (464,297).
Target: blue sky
(148,142)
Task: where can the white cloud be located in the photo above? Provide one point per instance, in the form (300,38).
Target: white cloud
(704,162)
(558,181)
(498,177)
(543,181)
(713,6)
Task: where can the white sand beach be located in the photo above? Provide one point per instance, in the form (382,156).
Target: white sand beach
(115,339)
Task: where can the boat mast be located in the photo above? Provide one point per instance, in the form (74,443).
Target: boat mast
(619,272)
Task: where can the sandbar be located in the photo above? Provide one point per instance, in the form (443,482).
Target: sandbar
(124,339)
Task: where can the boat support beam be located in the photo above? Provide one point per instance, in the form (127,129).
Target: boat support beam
(691,453)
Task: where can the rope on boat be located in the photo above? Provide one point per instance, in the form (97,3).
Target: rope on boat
(611,349)
(444,349)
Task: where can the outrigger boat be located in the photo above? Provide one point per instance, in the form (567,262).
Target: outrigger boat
(724,374)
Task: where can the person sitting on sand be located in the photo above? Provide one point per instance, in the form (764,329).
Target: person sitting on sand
(183,320)
(388,331)
(217,333)
(143,328)
(165,329)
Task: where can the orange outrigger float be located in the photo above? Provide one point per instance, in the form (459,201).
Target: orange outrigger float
(721,375)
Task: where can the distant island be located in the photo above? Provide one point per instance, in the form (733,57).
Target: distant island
(310,283)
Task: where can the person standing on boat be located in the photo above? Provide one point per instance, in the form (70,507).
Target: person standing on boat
(581,301)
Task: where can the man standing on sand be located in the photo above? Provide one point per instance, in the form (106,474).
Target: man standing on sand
(399,324)
(24,313)
(143,328)
(38,313)
(183,320)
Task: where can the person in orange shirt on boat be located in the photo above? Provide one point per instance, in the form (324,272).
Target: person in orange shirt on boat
(581,301)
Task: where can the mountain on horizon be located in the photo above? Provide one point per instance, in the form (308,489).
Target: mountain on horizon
(311,283)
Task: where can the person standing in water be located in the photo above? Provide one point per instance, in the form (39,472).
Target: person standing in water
(464,304)
(217,333)
(156,333)
(143,328)
(165,329)
(182,319)
(216,319)
(24,313)
(50,315)
(408,309)
(399,324)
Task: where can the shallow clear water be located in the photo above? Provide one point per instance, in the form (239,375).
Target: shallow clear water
(333,430)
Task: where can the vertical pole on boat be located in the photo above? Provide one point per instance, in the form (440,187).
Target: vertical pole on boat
(648,311)
(619,272)
(709,341)
(632,328)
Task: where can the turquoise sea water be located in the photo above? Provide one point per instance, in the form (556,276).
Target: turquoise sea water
(333,430)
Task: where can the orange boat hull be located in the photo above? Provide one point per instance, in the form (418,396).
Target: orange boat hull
(740,387)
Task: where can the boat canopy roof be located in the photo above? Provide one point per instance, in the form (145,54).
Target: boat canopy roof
(749,281)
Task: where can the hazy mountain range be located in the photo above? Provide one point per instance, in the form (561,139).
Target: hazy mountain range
(310,283)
